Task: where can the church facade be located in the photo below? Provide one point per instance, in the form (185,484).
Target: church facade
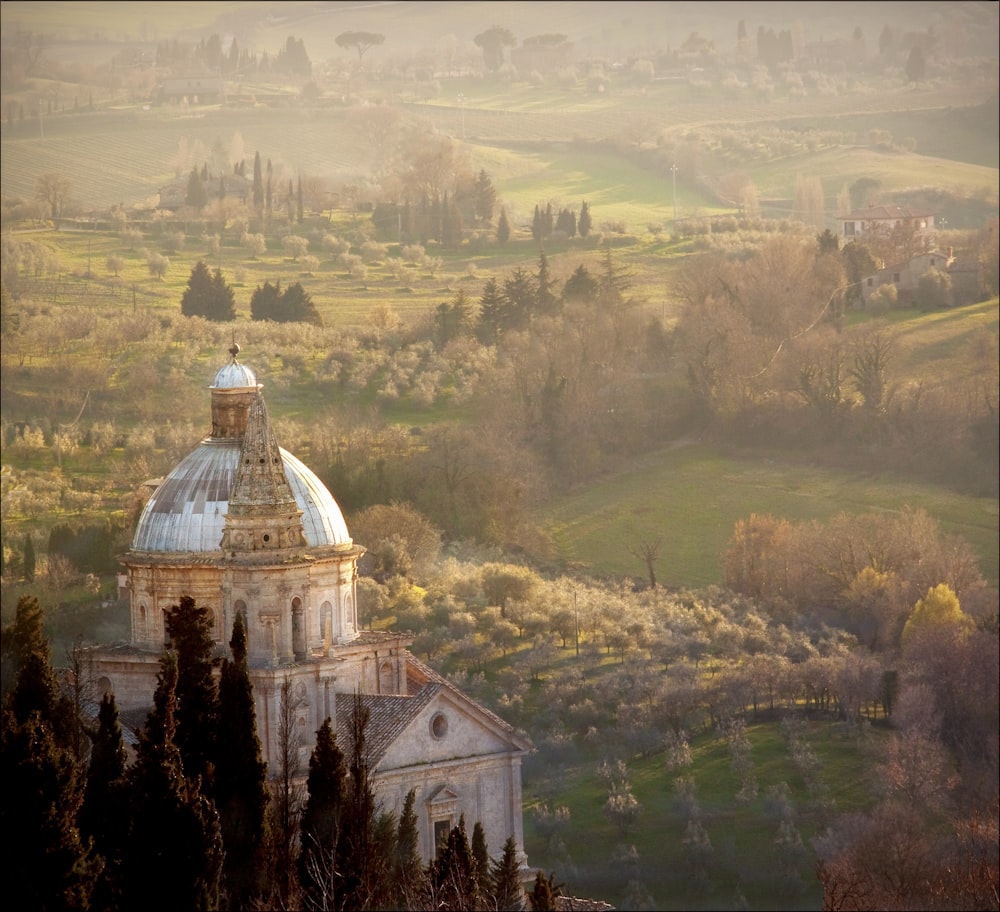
(242,526)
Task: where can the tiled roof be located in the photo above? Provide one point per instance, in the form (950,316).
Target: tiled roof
(388,717)
(575,904)
(390,714)
(886,212)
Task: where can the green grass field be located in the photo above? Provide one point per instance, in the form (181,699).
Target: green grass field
(692,496)
(743,858)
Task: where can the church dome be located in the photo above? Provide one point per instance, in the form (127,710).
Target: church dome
(187,511)
(234,375)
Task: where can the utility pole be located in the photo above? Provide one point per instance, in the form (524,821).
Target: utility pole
(673,173)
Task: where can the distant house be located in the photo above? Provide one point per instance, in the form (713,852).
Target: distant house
(906,276)
(883,220)
(192,89)
(173,196)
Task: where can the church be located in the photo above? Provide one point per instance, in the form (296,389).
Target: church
(242,525)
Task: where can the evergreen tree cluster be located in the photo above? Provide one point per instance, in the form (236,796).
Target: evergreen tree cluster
(185,825)
(293,305)
(544,222)
(166,832)
(774,48)
(208,295)
(512,303)
(232,62)
(437,219)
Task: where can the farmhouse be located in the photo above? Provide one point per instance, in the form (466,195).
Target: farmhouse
(883,221)
(242,526)
(906,275)
(190,89)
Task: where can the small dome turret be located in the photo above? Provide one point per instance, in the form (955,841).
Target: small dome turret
(234,375)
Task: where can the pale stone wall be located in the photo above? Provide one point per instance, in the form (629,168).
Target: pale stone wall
(485,789)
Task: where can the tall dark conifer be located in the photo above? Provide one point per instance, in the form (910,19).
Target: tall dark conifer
(547,301)
(189,627)
(491,312)
(320,850)
(543,894)
(49,864)
(174,854)
(503,228)
(104,814)
(357,847)
(241,792)
(453,873)
(27,672)
(258,186)
(208,295)
(584,223)
(505,880)
(481,857)
(407,871)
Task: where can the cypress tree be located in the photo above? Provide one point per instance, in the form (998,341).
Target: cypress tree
(48,864)
(505,880)
(538,224)
(264,302)
(407,871)
(174,852)
(301,209)
(503,228)
(258,186)
(583,223)
(296,306)
(208,295)
(543,894)
(356,850)
(453,872)
(547,301)
(491,312)
(104,814)
(241,775)
(197,298)
(223,299)
(486,197)
(28,675)
(51,867)
(581,286)
(481,858)
(190,631)
(321,823)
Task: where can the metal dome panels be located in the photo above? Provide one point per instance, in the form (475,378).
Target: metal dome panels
(187,511)
(234,376)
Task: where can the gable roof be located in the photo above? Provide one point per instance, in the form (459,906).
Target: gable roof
(884,212)
(389,715)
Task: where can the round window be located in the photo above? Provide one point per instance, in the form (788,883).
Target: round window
(439,725)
